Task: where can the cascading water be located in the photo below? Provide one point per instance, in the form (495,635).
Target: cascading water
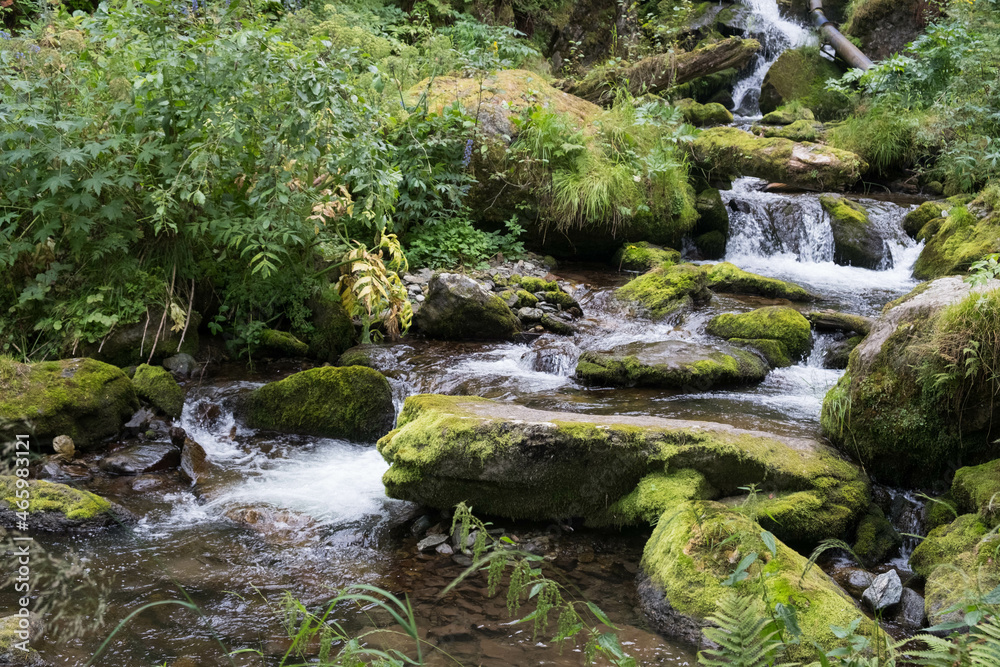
(776,34)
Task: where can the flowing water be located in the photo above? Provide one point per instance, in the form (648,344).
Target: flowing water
(309,515)
(776,34)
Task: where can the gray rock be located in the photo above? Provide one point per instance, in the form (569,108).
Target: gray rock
(459,308)
(462,559)
(854,580)
(12,629)
(885,591)
(444,549)
(140,421)
(530,314)
(420,526)
(139,459)
(181,365)
(194,461)
(431,541)
(910,613)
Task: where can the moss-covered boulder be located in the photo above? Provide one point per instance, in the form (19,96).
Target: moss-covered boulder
(876,538)
(910,405)
(333,330)
(353,402)
(130,344)
(782,324)
(55,507)
(156,385)
(696,545)
(855,240)
(800,75)
(834,320)
(957,560)
(977,489)
(666,291)
(459,308)
(281,344)
(728,278)
(953,242)
(672,364)
(701,115)
(83,398)
(788,115)
(712,229)
(643,256)
(732,152)
(512,461)
(920,216)
(800,130)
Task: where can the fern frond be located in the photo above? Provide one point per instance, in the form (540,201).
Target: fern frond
(740,635)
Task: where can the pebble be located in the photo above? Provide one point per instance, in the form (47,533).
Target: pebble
(430,542)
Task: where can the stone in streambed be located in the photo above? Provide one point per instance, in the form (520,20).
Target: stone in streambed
(643,256)
(854,580)
(515,462)
(352,402)
(459,308)
(140,459)
(782,324)
(876,538)
(833,320)
(281,344)
(155,385)
(85,399)
(666,291)
(431,541)
(856,242)
(728,278)
(671,364)
(885,591)
(910,612)
(181,365)
(54,507)
(17,634)
(195,466)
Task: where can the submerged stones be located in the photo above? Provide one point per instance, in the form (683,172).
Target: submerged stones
(512,461)
(459,308)
(85,399)
(672,365)
(351,402)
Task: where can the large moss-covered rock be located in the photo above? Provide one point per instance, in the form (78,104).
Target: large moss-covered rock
(800,75)
(54,507)
(459,308)
(876,538)
(733,152)
(281,344)
(782,324)
(700,115)
(712,229)
(666,290)
(957,559)
(156,385)
(671,364)
(905,408)
(509,460)
(353,402)
(643,256)
(696,545)
(855,240)
(955,241)
(788,115)
(85,399)
(728,278)
(920,216)
(333,330)
(977,489)
(800,130)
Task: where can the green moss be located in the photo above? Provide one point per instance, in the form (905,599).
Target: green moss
(941,510)
(788,115)
(952,246)
(855,242)
(733,152)
(800,76)
(944,544)
(560,298)
(85,399)
(977,489)
(156,385)
(351,402)
(711,245)
(726,277)
(916,219)
(695,546)
(780,323)
(10,645)
(876,538)
(534,285)
(74,504)
(667,289)
(557,326)
(643,256)
(704,114)
(526,299)
(510,461)
(359,355)
(712,369)
(657,493)
(773,351)
(333,330)
(800,130)
(281,344)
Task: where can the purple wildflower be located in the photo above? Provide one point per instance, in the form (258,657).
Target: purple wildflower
(467,158)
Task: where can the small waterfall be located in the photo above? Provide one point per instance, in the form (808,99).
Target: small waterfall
(905,515)
(776,34)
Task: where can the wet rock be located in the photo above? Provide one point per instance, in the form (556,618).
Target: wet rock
(459,308)
(420,526)
(892,372)
(17,635)
(558,325)
(58,470)
(833,320)
(444,549)
(195,466)
(352,402)
(208,415)
(733,152)
(139,459)
(530,314)
(333,329)
(787,116)
(728,278)
(838,355)
(177,436)
(84,399)
(885,591)
(512,461)
(680,594)
(666,291)
(55,507)
(786,326)
(876,538)
(701,115)
(854,580)
(856,242)
(181,365)
(671,364)
(800,76)
(461,559)
(139,422)
(276,525)
(63,446)
(910,613)
(155,385)
(643,256)
(430,542)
